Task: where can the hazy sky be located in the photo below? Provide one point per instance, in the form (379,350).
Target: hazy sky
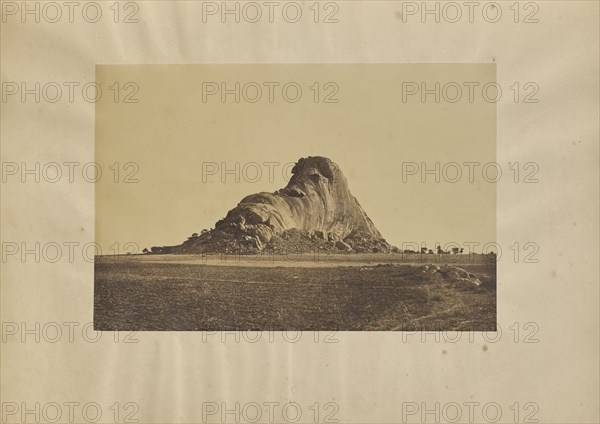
(178,129)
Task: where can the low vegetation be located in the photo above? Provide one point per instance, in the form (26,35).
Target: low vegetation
(136,293)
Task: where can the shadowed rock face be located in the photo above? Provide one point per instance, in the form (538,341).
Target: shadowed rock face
(315,205)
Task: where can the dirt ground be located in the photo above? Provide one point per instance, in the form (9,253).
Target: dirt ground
(308,292)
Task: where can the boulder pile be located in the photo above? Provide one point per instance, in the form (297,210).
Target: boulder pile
(314,211)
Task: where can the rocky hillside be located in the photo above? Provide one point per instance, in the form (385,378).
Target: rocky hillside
(315,210)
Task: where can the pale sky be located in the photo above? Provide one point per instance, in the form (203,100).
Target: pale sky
(369,133)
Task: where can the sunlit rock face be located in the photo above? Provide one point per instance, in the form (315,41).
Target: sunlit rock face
(315,205)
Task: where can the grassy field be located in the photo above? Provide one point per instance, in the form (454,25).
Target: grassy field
(343,292)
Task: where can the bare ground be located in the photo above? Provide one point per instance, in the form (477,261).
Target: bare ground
(343,292)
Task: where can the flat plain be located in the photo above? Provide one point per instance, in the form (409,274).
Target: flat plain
(310,292)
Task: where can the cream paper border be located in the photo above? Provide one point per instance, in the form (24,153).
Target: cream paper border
(370,376)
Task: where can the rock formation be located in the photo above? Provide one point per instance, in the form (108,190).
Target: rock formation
(315,210)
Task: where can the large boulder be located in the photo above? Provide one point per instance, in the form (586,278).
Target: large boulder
(343,246)
(316,202)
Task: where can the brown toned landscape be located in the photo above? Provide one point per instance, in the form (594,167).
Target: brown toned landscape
(372,292)
(305,257)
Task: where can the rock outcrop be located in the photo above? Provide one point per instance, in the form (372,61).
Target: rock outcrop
(315,210)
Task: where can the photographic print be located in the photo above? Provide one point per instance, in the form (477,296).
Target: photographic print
(296,197)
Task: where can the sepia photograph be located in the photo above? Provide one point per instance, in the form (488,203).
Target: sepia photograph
(300,212)
(238,213)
